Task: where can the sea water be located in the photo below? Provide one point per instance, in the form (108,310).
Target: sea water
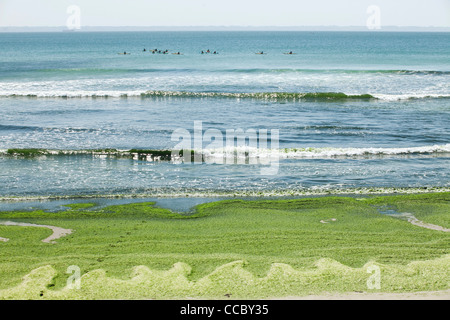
(389,131)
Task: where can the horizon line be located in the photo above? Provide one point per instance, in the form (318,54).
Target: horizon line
(218,28)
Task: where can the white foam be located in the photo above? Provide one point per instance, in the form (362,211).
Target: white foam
(409,96)
(70,94)
(334,152)
(300,153)
(242,152)
(314,191)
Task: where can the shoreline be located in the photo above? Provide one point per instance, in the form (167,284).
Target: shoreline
(185,204)
(257,194)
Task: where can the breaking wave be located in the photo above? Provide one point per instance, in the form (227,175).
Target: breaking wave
(244,151)
(271,96)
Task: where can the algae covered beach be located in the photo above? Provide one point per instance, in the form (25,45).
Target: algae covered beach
(261,249)
(168,172)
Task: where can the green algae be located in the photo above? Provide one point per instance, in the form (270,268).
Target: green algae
(250,249)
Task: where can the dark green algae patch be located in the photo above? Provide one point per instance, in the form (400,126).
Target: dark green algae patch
(272,96)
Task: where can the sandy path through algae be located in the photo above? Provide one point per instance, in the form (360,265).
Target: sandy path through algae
(413,220)
(57,231)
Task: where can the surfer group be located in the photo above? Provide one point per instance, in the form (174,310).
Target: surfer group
(262,52)
(208,52)
(156,51)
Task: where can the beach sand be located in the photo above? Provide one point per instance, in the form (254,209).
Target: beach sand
(431,295)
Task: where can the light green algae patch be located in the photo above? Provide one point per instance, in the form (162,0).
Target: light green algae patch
(233,280)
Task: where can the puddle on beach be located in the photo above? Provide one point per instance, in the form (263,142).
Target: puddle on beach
(180,205)
(388,210)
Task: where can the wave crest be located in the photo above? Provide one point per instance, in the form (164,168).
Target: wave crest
(244,151)
(268,96)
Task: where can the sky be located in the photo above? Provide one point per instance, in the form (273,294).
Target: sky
(283,13)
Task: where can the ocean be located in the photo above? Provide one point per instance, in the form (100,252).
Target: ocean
(347,112)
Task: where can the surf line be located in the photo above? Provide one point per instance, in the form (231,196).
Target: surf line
(57,231)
